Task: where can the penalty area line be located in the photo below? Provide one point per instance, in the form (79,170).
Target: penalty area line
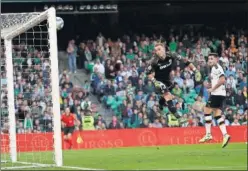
(187,168)
(79,168)
(211,167)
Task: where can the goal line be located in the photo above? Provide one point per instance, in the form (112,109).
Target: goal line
(27,165)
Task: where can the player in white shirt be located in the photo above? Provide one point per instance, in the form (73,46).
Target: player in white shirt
(215,102)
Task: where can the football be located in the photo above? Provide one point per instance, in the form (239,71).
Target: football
(59,23)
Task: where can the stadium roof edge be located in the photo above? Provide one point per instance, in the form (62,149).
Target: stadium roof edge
(53,1)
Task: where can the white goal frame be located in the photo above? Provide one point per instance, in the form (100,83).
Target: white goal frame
(8,35)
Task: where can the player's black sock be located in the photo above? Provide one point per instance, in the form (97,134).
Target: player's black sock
(171,106)
(162,103)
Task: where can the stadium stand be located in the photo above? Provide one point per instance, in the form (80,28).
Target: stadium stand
(118,80)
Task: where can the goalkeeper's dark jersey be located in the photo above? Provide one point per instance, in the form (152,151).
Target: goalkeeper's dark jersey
(162,70)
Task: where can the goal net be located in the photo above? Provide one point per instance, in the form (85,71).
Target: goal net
(30,109)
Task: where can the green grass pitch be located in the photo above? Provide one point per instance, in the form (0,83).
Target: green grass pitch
(186,157)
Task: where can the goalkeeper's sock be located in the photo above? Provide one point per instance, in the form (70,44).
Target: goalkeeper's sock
(171,106)
(161,103)
(70,141)
(208,122)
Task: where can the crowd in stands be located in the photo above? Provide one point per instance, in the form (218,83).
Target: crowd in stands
(32,90)
(33,102)
(118,79)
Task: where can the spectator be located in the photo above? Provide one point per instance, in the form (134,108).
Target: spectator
(82,57)
(189,82)
(172,120)
(88,57)
(202,90)
(149,88)
(86,104)
(100,122)
(49,128)
(145,124)
(178,80)
(100,40)
(198,106)
(230,71)
(227,122)
(239,98)
(232,82)
(20,128)
(135,119)
(86,88)
(197,122)
(157,124)
(99,67)
(114,124)
(235,122)
(229,99)
(134,78)
(72,53)
(172,45)
(100,126)
(28,123)
(110,72)
(205,50)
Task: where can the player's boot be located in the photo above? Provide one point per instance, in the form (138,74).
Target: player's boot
(206,138)
(226,140)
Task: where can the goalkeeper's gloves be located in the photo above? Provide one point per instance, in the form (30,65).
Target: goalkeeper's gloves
(149,70)
(159,85)
(196,71)
(174,55)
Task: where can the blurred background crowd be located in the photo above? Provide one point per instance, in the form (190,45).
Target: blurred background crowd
(116,71)
(117,78)
(112,71)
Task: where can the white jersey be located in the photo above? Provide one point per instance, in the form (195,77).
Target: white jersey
(216,72)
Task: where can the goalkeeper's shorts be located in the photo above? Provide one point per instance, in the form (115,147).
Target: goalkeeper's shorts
(163,89)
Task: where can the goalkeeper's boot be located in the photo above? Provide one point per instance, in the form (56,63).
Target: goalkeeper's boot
(206,138)
(226,140)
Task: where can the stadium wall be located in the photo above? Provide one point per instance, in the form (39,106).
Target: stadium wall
(124,138)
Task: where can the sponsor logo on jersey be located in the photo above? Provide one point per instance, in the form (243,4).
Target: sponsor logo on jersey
(165,65)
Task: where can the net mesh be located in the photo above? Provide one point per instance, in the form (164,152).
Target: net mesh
(10,22)
(32,91)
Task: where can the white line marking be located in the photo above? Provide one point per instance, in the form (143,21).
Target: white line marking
(79,168)
(18,167)
(189,168)
(36,164)
(205,168)
(221,149)
(32,165)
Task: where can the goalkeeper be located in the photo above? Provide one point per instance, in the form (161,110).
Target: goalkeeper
(159,73)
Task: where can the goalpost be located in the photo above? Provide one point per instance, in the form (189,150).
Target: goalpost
(30,91)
